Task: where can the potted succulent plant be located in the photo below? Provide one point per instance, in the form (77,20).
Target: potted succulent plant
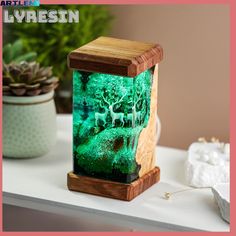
(29,116)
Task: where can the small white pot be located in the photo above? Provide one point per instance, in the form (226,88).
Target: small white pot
(29,125)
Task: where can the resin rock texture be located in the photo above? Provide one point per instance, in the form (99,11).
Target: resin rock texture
(109,113)
(221,193)
(207,164)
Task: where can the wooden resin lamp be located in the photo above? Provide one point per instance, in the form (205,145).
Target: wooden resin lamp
(114,117)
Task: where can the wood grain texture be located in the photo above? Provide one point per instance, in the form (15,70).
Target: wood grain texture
(106,188)
(115,56)
(145,154)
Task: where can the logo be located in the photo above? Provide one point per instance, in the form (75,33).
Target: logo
(20,15)
(41,16)
(24,3)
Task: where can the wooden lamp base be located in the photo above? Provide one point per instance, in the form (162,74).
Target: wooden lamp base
(106,188)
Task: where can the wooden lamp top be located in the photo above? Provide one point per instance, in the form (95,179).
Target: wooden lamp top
(115,56)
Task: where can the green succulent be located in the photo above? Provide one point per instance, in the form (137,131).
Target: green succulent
(27,79)
(14,53)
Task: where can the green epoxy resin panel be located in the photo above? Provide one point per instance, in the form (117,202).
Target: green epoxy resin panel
(109,113)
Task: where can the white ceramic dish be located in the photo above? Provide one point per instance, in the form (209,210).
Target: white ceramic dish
(222,196)
(207,164)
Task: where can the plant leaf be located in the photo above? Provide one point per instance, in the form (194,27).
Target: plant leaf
(17,48)
(26,57)
(7,53)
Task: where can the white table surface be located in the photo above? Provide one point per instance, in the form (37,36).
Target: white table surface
(40,184)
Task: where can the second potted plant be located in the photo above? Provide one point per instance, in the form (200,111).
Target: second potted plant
(29,115)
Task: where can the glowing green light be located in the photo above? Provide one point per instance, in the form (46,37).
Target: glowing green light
(109,112)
